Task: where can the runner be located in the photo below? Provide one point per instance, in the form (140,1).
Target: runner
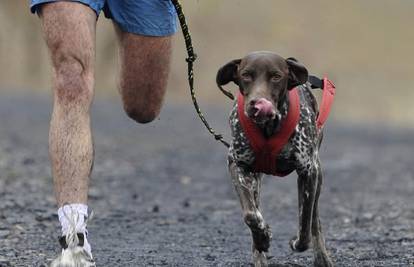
(144,29)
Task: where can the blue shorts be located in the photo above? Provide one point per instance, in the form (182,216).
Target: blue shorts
(144,17)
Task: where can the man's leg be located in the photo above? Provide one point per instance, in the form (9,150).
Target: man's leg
(145,64)
(69,31)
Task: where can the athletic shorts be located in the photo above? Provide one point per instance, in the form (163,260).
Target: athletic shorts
(143,17)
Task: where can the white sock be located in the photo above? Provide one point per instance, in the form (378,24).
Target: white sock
(82,213)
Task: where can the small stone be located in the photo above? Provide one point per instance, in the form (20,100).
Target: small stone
(19,228)
(185,180)
(186,203)
(28,161)
(368,216)
(210,257)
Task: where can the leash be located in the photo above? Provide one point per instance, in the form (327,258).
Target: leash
(190,62)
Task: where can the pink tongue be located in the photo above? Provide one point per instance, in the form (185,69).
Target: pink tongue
(263,106)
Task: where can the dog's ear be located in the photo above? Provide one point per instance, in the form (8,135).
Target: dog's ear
(298,74)
(226,74)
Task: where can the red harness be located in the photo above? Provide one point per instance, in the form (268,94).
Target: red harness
(266,150)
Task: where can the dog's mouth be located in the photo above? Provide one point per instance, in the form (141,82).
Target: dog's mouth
(263,118)
(261,111)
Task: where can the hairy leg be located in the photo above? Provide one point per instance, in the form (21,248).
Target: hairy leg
(69,31)
(145,65)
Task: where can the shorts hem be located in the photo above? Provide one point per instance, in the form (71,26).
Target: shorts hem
(147,31)
(34,7)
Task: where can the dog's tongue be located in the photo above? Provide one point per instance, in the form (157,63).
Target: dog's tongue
(264,107)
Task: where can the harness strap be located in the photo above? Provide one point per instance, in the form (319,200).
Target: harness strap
(327,100)
(315,82)
(265,150)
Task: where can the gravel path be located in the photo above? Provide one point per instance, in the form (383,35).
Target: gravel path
(162,196)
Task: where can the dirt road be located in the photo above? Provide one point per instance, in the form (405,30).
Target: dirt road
(162,196)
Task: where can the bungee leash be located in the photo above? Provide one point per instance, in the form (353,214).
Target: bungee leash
(190,62)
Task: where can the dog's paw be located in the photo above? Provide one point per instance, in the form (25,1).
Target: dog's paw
(259,259)
(322,260)
(298,245)
(261,238)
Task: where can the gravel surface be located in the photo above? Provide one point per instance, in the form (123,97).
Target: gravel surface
(162,196)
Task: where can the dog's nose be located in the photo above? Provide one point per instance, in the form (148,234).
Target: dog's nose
(263,108)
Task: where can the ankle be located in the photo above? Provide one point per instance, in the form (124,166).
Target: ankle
(72,218)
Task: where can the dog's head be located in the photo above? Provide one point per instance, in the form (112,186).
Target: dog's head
(264,79)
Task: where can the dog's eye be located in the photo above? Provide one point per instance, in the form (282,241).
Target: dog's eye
(275,77)
(247,77)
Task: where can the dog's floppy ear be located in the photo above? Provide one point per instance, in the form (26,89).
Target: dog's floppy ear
(298,74)
(226,74)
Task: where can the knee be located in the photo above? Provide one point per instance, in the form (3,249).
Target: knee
(73,79)
(142,114)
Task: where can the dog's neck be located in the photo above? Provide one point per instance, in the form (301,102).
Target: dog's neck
(273,126)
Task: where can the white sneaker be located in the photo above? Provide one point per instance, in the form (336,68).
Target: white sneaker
(75,248)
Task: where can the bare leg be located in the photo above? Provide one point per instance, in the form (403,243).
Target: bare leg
(69,30)
(318,241)
(247,186)
(145,64)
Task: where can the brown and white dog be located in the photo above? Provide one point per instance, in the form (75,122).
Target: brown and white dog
(265,79)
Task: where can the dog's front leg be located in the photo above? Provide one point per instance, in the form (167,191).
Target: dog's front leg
(307,184)
(247,186)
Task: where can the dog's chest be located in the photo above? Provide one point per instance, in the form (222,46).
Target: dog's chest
(298,148)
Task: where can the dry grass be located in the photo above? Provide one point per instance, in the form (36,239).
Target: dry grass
(364,46)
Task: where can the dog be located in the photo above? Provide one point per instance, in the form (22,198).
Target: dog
(266,80)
